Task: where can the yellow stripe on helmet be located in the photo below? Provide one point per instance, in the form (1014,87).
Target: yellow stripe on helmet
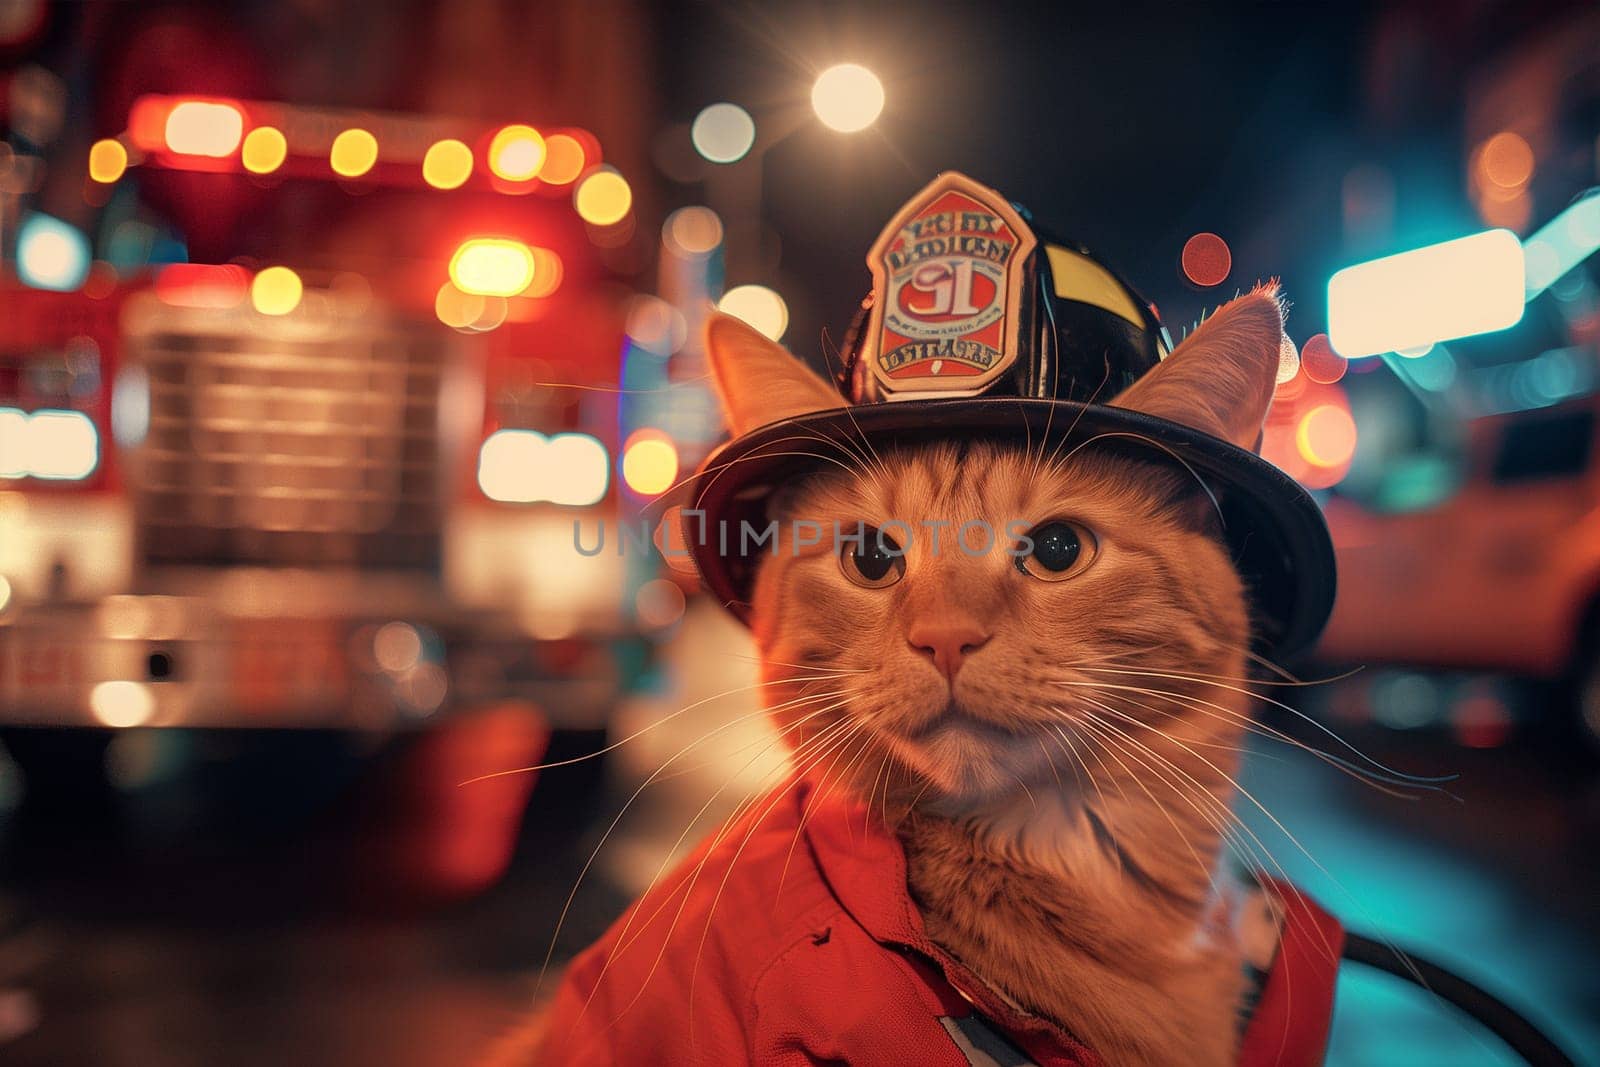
(1080,278)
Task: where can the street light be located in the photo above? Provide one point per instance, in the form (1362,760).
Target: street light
(723,133)
(757,306)
(847,98)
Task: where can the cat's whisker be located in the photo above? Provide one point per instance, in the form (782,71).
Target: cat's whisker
(1199,788)
(1249,725)
(1285,683)
(1240,790)
(1228,825)
(654,776)
(1072,758)
(1285,879)
(712,472)
(1378,779)
(1230,687)
(831,672)
(1243,849)
(1076,419)
(1216,505)
(1104,803)
(856,728)
(1051,761)
(1224,821)
(631,737)
(753,795)
(1205,869)
(723,758)
(805,814)
(751,800)
(1232,715)
(870,456)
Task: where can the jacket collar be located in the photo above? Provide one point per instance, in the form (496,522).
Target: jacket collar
(865,866)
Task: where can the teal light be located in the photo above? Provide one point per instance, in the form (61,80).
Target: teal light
(1413,483)
(1432,370)
(1564,242)
(1549,378)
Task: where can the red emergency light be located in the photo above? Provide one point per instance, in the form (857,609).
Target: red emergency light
(220,135)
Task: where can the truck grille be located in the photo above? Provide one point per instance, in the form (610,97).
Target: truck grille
(272,445)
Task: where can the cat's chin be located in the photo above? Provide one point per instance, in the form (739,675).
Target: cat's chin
(966,758)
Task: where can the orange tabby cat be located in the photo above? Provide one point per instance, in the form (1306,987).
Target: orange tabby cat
(1085,894)
(1061,823)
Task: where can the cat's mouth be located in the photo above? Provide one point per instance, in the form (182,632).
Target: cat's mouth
(955,719)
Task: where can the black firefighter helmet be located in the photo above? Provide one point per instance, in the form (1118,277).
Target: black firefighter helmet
(982,326)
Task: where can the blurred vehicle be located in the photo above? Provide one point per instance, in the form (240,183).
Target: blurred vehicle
(215,518)
(1497,567)
(336,497)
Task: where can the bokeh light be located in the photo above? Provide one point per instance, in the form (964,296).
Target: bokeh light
(847,98)
(107,160)
(548,271)
(49,444)
(51,254)
(603,198)
(564,160)
(1287,391)
(659,603)
(525,467)
(758,306)
(1206,260)
(101,281)
(496,309)
(1456,288)
(649,462)
(492,266)
(200,128)
(203,285)
(456,309)
(1562,243)
(692,231)
(397,646)
(1326,436)
(354,152)
(655,325)
(516,153)
(1506,160)
(1320,362)
(723,133)
(1512,212)
(122,703)
(447,164)
(276,291)
(1288,360)
(264,150)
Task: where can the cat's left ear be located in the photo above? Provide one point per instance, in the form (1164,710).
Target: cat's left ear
(1221,378)
(758,380)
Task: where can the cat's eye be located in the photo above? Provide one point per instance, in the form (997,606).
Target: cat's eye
(1061,550)
(875,562)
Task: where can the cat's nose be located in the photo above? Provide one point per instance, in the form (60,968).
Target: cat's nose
(947,644)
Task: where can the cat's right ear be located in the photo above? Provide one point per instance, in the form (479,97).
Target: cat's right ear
(759,382)
(1221,378)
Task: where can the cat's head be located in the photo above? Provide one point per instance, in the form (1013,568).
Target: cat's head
(960,668)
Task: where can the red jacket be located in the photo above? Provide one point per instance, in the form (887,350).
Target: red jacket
(796,946)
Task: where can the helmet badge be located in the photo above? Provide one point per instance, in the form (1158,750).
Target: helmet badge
(948,273)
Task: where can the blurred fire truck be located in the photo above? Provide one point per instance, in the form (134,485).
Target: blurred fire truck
(335,496)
